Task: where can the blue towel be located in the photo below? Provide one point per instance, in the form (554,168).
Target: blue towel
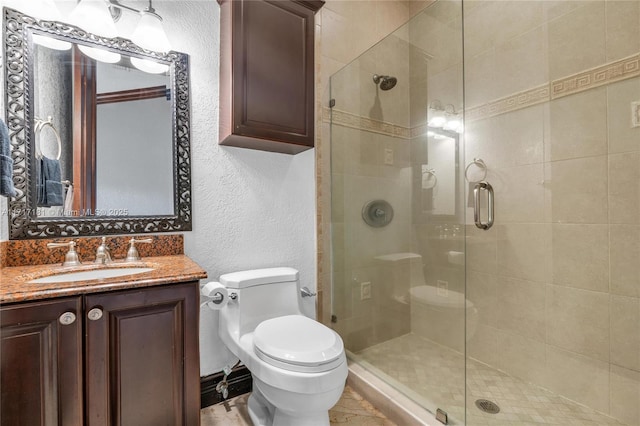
(6,163)
(49,186)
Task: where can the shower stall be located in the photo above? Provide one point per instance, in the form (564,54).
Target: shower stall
(490,271)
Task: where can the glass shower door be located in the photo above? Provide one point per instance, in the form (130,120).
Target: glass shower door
(398,210)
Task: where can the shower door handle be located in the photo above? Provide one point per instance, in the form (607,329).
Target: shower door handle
(476,205)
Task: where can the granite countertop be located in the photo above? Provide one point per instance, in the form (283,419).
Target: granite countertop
(15,285)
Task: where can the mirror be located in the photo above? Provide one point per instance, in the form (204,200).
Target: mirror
(437,180)
(99,148)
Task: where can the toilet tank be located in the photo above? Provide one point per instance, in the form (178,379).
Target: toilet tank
(262,294)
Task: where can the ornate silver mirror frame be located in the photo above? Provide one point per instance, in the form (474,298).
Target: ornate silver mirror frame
(23,222)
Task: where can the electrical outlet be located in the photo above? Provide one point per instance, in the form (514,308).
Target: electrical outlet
(388,156)
(443,288)
(365,290)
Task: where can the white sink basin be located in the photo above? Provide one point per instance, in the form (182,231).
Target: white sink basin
(94,274)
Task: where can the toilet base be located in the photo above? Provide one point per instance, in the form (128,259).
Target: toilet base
(264,414)
(260,411)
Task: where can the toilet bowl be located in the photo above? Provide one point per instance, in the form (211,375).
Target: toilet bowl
(298,365)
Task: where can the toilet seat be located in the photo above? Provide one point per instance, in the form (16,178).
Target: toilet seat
(298,343)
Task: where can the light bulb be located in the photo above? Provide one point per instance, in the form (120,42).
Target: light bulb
(149,34)
(101,55)
(93,16)
(41,9)
(149,66)
(437,118)
(50,42)
(452,124)
(47,10)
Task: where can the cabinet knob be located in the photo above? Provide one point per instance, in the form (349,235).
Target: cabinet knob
(94,314)
(67,318)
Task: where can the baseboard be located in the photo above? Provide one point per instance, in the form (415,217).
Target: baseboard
(239,380)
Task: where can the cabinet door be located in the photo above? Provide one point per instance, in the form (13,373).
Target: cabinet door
(41,372)
(142,360)
(272,51)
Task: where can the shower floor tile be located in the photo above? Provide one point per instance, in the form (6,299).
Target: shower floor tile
(434,376)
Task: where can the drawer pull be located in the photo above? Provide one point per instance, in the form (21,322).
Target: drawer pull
(94,314)
(67,318)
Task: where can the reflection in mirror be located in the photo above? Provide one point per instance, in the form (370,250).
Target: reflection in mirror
(132,129)
(438,177)
(100,147)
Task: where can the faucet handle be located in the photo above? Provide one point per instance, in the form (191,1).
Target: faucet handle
(71,258)
(132,254)
(103,254)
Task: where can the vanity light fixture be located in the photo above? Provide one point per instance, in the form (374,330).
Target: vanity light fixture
(46,9)
(99,17)
(435,114)
(93,16)
(445,117)
(149,34)
(149,66)
(454,119)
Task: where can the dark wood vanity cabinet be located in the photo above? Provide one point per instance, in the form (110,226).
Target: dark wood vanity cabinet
(267,74)
(140,356)
(142,360)
(41,363)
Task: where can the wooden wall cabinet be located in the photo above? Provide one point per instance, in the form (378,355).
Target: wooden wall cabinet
(140,356)
(267,73)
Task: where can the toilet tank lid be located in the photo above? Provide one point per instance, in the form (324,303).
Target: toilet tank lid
(253,277)
(394,257)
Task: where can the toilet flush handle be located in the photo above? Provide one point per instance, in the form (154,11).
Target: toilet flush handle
(305,292)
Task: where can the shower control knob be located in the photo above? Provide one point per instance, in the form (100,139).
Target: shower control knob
(94,314)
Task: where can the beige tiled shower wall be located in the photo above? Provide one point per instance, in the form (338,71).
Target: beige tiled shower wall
(549,88)
(345,29)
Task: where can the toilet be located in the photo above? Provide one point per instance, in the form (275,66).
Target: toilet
(436,314)
(441,316)
(400,272)
(298,365)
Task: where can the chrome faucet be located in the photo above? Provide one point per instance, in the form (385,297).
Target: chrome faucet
(132,254)
(103,254)
(71,258)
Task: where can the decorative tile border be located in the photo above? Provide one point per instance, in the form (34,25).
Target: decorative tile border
(520,100)
(590,79)
(355,121)
(596,77)
(586,80)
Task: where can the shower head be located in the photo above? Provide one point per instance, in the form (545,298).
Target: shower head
(386,82)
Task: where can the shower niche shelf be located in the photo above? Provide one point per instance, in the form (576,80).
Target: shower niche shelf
(267,74)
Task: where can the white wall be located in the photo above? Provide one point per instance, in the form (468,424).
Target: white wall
(251,209)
